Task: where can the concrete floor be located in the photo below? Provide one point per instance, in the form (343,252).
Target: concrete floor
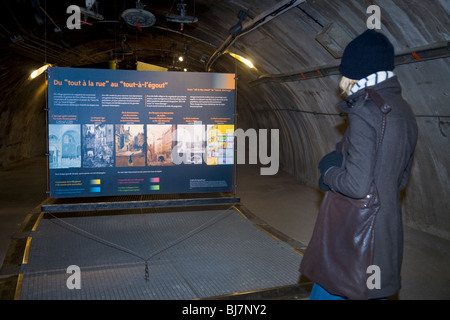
(281,201)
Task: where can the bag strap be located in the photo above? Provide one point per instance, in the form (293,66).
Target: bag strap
(384,108)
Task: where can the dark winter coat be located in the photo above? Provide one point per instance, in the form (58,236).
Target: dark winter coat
(389,168)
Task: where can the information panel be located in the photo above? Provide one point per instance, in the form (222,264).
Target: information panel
(126,132)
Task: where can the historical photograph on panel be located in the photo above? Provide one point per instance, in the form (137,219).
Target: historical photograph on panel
(64,146)
(130,145)
(220,147)
(191,143)
(98,145)
(160,142)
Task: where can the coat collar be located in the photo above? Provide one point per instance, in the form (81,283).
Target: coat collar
(352,102)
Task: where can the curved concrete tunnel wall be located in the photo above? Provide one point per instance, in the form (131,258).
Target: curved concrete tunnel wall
(22,112)
(286,45)
(306,137)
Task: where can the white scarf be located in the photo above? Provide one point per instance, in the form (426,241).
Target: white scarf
(371,80)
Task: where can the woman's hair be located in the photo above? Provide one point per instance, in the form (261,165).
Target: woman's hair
(346,85)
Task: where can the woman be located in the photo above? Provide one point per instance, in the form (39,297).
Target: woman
(368,61)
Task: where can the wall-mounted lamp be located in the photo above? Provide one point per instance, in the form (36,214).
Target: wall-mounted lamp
(242,59)
(39,71)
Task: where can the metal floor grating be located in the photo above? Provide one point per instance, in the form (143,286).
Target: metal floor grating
(190,255)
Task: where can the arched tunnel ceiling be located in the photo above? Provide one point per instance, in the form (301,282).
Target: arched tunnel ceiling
(293,87)
(99,41)
(286,43)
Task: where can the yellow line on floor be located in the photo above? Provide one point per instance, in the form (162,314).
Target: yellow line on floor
(18,287)
(297,251)
(266,232)
(240,212)
(27,251)
(37,221)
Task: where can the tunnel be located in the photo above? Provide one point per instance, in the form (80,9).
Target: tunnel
(291,89)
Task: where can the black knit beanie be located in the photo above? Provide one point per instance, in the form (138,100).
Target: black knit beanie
(368,53)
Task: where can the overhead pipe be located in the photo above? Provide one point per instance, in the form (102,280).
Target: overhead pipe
(436,51)
(251,25)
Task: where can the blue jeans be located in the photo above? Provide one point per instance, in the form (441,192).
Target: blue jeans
(319,293)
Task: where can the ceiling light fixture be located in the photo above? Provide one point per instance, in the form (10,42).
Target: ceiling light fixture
(242,59)
(139,17)
(182,18)
(39,71)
